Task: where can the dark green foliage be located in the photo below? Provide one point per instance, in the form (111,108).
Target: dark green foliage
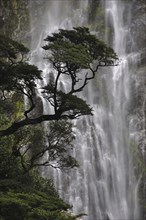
(15,73)
(67,104)
(10,48)
(58,145)
(26,196)
(38,205)
(28,147)
(78,47)
(70,53)
(8,163)
(17,78)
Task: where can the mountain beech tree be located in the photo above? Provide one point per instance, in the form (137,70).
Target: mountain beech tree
(75,56)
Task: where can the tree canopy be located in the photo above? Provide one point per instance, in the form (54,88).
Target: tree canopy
(70,52)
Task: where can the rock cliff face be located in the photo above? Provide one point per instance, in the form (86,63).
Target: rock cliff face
(138,33)
(14,18)
(138,25)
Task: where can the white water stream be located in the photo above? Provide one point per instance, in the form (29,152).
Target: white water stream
(104,186)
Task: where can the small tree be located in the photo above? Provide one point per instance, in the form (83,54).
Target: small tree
(54,150)
(70,52)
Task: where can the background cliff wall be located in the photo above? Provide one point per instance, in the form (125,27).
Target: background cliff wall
(138,108)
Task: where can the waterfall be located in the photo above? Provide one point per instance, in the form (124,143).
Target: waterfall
(104,186)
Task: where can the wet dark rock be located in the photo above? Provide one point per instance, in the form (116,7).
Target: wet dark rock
(138,105)
(138,24)
(93,5)
(38,110)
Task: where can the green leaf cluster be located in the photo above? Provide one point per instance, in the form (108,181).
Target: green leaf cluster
(11,48)
(78,47)
(67,103)
(26,206)
(15,72)
(70,53)
(26,196)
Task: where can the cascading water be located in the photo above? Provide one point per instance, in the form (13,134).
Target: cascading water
(104,186)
